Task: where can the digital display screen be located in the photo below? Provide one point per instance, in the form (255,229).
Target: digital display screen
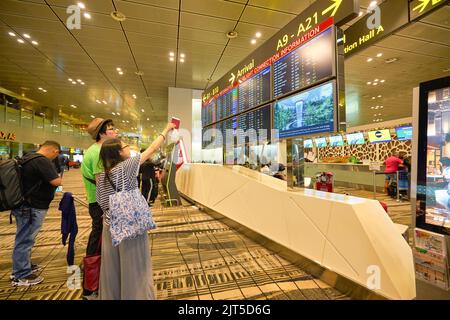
(355,138)
(308,144)
(255,90)
(433,187)
(306,65)
(227,105)
(259,121)
(321,142)
(336,141)
(404,133)
(307,112)
(208,113)
(379,136)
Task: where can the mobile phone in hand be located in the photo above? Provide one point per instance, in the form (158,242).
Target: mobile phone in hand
(177,122)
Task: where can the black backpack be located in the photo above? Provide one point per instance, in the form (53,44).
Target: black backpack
(12,195)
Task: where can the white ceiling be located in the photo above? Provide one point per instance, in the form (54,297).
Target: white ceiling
(196,28)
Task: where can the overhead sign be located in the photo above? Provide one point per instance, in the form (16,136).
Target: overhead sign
(7,136)
(420,7)
(392,15)
(339,11)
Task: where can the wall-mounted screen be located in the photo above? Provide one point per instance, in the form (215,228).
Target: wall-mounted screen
(321,142)
(378,136)
(255,90)
(307,112)
(208,113)
(259,121)
(355,138)
(227,105)
(433,166)
(308,144)
(336,141)
(404,133)
(306,65)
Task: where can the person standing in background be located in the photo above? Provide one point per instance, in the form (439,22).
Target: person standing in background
(148,178)
(100,130)
(392,164)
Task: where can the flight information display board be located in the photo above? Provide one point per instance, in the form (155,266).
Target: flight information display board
(227,105)
(227,135)
(208,113)
(255,91)
(306,65)
(259,120)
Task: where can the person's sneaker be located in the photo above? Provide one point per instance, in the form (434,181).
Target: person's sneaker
(34,268)
(92,296)
(27,281)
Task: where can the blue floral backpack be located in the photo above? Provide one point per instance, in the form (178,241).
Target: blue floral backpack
(130,214)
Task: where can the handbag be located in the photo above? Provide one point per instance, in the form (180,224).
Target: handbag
(92,270)
(130,215)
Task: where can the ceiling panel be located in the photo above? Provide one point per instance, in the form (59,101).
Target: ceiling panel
(214,8)
(266,17)
(134,10)
(198,21)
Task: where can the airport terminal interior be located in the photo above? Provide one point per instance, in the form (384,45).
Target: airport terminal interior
(286,150)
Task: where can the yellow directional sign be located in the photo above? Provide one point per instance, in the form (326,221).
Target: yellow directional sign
(335,5)
(424,3)
(233,77)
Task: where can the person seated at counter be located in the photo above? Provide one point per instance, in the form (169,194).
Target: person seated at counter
(280,174)
(392,164)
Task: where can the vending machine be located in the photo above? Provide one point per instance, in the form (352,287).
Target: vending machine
(432,190)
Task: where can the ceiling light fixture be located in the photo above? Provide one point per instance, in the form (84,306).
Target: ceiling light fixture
(258,35)
(92,116)
(172,59)
(70,79)
(134,96)
(369,60)
(81,5)
(78,80)
(74,82)
(391,60)
(73,106)
(104,102)
(35,42)
(142,110)
(118,69)
(382,81)
(82,83)
(26,35)
(148,119)
(232,34)
(182,55)
(369,83)
(379,55)
(361,13)
(118,16)
(12,34)
(171,54)
(113,113)
(376,80)
(253,41)
(20,41)
(118,113)
(379,96)
(121,73)
(87,15)
(182,60)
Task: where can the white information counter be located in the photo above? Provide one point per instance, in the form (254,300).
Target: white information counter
(350,236)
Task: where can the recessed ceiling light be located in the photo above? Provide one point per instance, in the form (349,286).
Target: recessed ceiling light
(113,113)
(369,83)
(82,83)
(375,83)
(373,98)
(128,121)
(87,15)
(20,40)
(12,34)
(44,90)
(258,35)
(139,73)
(121,72)
(379,55)
(391,60)
(361,13)
(26,35)
(73,106)
(182,55)
(171,54)
(118,113)
(253,41)
(172,59)
(35,42)
(379,96)
(232,34)
(148,119)
(134,96)
(181,60)
(70,79)
(118,16)
(104,102)
(123,121)
(92,116)
(74,82)
(381,107)
(382,81)
(119,69)
(142,110)
(371,107)
(81,5)
(369,60)
(40,88)
(372,4)
(376,80)
(78,80)
(98,101)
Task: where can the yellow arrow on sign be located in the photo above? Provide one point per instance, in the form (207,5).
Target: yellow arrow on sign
(424,3)
(233,77)
(336,4)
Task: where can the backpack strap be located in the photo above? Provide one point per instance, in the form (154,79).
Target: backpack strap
(90,180)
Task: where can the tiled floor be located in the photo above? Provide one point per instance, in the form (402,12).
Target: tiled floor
(194,257)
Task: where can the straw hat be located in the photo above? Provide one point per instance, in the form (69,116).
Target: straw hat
(95,126)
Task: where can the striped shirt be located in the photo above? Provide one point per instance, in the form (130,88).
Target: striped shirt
(123,174)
